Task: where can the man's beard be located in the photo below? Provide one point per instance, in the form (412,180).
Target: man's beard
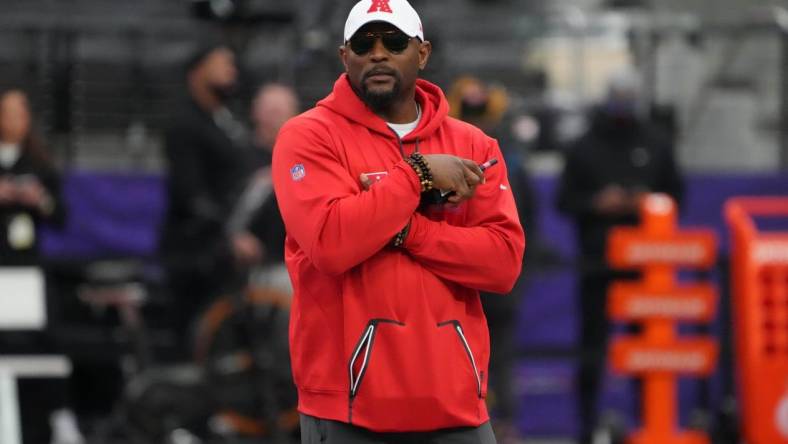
(379,100)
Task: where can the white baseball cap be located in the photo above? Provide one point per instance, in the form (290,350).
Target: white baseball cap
(396,12)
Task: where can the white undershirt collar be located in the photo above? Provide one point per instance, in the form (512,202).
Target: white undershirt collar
(403,129)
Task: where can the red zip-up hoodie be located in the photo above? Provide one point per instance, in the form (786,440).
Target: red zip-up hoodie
(390,339)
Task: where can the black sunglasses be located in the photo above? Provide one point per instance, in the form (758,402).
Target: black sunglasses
(394,41)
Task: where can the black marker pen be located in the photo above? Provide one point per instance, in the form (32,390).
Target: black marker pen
(484,166)
(488,164)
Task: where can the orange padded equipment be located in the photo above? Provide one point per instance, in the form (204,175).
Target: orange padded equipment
(759,278)
(659,355)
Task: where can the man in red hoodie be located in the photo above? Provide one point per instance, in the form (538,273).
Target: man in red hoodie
(392,231)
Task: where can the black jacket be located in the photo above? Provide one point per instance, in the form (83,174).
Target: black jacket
(14,214)
(205,176)
(633,156)
(266,223)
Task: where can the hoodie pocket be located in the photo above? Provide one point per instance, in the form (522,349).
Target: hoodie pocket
(359,359)
(467,347)
(415,377)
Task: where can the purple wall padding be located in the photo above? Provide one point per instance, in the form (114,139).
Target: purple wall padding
(109,215)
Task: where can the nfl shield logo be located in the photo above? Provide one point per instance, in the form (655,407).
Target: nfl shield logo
(298,172)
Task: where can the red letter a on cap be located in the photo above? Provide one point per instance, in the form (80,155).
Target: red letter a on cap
(380,5)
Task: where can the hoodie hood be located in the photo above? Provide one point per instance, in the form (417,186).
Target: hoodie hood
(434,108)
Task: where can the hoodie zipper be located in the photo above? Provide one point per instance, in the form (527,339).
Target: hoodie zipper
(467,347)
(400,145)
(365,343)
(399,142)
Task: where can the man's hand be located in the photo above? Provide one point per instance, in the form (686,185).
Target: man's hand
(30,192)
(365,182)
(451,173)
(7,191)
(246,248)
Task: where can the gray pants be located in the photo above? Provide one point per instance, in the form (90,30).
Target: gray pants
(323,431)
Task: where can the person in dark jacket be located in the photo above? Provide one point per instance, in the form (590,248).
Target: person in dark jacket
(30,196)
(273,106)
(29,184)
(206,149)
(486,107)
(609,169)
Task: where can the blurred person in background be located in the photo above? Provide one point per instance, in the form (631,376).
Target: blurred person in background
(29,183)
(206,150)
(29,197)
(273,105)
(259,321)
(486,107)
(242,310)
(607,172)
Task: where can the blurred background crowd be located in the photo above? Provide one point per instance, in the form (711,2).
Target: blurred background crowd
(135,145)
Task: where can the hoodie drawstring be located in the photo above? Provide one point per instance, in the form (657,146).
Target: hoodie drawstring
(402,146)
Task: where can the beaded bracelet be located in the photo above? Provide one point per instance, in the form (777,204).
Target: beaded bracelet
(399,239)
(419,172)
(419,165)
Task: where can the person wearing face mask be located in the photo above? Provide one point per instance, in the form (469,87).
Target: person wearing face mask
(486,107)
(206,149)
(622,157)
